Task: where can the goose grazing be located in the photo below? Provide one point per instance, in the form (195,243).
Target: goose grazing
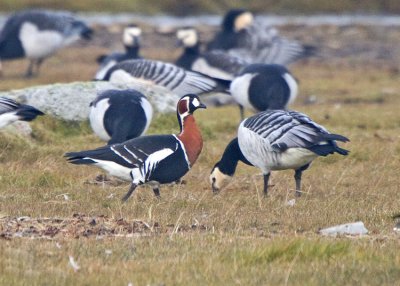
(37,34)
(11,111)
(276,140)
(217,64)
(253,42)
(119,115)
(261,86)
(172,77)
(131,42)
(154,159)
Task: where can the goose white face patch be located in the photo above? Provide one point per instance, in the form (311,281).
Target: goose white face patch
(196,102)
(129,35)
(188,37)
(243,21)
(219,180)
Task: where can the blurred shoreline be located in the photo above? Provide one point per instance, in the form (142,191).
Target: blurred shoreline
(214,20)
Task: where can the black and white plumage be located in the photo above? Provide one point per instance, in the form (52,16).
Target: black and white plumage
(260,87)
(11,111)
(154,159)
(119,115)
(254,42)
(174,78)
(131,41)
(277,140)
(217,64)
(37,34)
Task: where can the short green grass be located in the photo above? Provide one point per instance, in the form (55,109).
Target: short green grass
(195,237)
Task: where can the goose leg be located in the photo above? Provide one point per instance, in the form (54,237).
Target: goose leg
(129,193)
(29,71)
(266,179)
(241,108)
(38,65)
(297,178)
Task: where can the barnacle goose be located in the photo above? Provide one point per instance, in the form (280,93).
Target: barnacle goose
(154,159)
(119,115)
(11,111)
(254,42)
(174,78)
(217,64)
(131,40)
(276,140)
(37,34)
(263,86)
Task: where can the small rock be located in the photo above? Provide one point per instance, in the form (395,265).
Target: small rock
(355,228)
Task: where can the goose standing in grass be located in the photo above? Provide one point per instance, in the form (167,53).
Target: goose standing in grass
(262,86)
(154,159)
(37,34)
(131,42)
(253,42)
(276,140)
(119,115)
(217,64)
(11,111)
(170,76)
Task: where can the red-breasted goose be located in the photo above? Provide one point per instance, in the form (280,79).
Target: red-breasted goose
(276,140)
(153,159)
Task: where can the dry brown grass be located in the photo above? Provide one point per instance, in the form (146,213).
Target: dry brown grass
(193,237)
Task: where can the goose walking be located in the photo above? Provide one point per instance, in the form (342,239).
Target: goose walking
(170,76)
(154,159)
(276,140)
(119,115)
(131,42)
(253,42)
(37,34)
(217,64)
(262,86)
(11,111)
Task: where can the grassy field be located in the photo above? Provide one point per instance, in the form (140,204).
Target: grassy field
(190,236)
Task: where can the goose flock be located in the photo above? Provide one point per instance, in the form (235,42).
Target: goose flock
(244,59)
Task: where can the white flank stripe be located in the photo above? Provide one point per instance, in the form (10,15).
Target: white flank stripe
(183,149)
(133,154)
(119,154)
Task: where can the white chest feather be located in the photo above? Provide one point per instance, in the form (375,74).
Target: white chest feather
(96,118)
(292,86)
(201,65)
(39,44)
(240,90)
(148,111)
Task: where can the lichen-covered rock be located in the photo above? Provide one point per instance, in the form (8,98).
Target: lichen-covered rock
(70,101)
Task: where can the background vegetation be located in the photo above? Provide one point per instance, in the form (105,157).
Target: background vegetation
(190,7)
